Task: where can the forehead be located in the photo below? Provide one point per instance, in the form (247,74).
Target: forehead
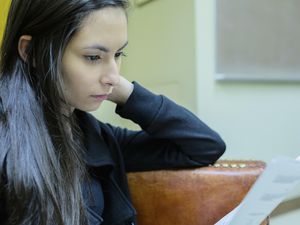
(106,26)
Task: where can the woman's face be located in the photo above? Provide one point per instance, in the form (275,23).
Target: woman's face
(92,59)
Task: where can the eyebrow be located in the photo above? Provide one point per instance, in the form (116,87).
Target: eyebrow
(103,48)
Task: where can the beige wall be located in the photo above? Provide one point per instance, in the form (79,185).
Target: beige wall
(258,120)
(172,49)
(161,53)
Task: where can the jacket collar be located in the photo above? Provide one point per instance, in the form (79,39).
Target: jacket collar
(99,155)
(96,150)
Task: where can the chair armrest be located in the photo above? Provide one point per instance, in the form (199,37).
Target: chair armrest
(199,196)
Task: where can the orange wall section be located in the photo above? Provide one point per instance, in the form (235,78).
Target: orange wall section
(4,6)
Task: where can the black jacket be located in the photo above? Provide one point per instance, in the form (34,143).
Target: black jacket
(171,137)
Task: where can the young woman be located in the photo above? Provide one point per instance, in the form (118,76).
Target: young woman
(58,164)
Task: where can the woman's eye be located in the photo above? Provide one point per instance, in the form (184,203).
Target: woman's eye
(92,58)
(119,54)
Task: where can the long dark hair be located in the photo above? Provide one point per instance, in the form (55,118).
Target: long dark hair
(41,157)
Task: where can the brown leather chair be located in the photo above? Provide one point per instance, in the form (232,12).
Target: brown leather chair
(199,196)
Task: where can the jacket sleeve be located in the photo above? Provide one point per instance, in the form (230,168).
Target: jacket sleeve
(171,136)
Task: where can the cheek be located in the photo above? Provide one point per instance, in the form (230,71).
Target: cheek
(75,84)
(80,84)
(74,74)
(79,77)
(72,70)
(73,81)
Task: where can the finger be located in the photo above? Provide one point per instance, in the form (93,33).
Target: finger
(110,90)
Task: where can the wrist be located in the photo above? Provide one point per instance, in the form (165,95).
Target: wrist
(121,92)
(124,93)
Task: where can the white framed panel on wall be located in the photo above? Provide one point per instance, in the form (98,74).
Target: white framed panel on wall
(257,40)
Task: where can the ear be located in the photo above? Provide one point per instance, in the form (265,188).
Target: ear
(24,41)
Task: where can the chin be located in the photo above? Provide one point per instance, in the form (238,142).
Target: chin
(90,108)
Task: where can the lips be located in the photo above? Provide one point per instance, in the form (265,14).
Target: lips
(100,97)
(104,96)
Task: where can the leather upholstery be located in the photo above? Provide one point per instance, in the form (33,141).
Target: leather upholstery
(199,196)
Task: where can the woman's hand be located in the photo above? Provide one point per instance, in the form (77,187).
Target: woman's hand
(121,92)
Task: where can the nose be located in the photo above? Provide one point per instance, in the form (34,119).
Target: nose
(111,76)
